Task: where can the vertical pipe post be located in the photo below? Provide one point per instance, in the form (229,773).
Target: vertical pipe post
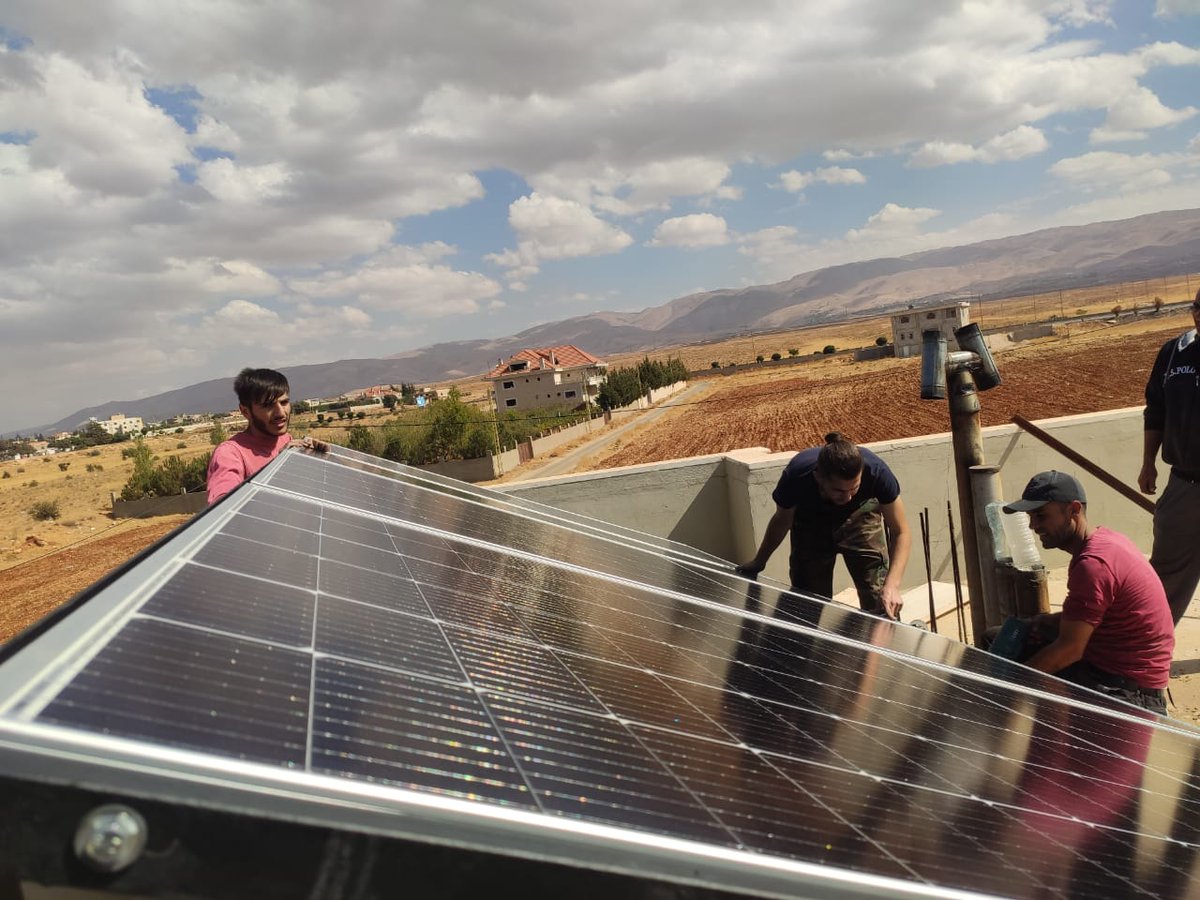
(967,438)
(985,489)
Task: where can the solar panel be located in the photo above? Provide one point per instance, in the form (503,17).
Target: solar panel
(353,646)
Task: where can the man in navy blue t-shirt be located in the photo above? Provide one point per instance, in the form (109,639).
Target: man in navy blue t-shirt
(834,499)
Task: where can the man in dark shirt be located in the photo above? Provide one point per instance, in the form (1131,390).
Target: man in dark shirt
(1172,422)
(834,499)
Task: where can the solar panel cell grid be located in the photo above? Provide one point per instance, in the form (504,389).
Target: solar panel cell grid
(322,627)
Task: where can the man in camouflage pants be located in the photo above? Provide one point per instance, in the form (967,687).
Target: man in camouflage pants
(834,499)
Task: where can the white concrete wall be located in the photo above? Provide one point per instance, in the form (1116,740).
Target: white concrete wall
(722,503)
(685,500)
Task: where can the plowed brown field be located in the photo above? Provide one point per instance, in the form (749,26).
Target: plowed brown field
(881,400)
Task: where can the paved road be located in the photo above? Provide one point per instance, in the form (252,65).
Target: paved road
(565,464)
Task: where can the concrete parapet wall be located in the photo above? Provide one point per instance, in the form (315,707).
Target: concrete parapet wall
(685,500)
(160,506)
(481,469)
(722,503)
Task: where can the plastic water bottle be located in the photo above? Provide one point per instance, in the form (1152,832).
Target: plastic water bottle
(1020,539)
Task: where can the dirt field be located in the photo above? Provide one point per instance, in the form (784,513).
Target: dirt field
(35,588)
(1088,370)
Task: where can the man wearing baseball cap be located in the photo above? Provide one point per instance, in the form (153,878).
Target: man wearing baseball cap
(1115,633)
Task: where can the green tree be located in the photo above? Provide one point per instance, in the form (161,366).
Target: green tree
(390,401)
(217,435)
(365,440)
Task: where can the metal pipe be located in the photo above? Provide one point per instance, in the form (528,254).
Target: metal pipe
(967,438)
(924,517)
(1111,480)
(959,615)
(985,490)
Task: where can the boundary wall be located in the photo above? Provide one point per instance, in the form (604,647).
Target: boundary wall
(721,503)
(486,468)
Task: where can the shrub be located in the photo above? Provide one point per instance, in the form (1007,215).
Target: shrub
(171,476)
(715,365)
(217,435)
(33,483)
(44,510)
(5,475)
(63,466)
(829,348)
(95,467)
(179,430)
(46,460)
(364,440)
(793,351)
(881,341)
(775,357)
(20,470)
(182,445)
(759,358)
(93,453)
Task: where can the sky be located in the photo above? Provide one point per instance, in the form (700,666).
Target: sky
(190,188)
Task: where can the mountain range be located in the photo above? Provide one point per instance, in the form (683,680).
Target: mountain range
(1149,246)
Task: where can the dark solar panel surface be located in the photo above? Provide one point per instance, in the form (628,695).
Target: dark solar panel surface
(510,660)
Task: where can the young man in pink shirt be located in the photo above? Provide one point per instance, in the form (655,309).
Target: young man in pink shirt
(263,399)
(1115,633)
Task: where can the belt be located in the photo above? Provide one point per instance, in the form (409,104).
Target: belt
(1189,477)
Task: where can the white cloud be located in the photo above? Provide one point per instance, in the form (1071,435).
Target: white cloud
(890,221)
(637,189)
(843,155)
(394,282)
(236,185)
(1104,170)
(1170,9)
(1135,112)
(91,123)
(554,228)
(696,230)
(1019,143)
(777,251)
(795,182)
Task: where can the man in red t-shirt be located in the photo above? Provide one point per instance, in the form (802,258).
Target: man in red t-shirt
(263,399)
(1115,633)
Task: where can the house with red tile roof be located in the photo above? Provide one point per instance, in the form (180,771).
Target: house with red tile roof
(538,377)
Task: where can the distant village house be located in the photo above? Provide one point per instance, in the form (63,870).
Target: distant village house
(119,423)
(908,326)
(538,377)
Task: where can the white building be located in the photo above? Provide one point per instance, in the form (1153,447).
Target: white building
(908,326)
(119,423)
